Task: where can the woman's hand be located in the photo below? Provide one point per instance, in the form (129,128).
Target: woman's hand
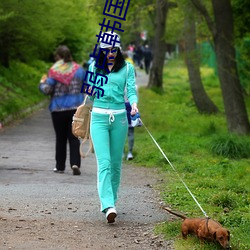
(134,109)
(43,79)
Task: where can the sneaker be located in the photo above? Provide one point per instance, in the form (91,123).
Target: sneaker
(76,170)
(130,156)
(111,214)
(58,171)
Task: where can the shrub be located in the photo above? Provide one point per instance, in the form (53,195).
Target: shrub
(231,146)
(223,200)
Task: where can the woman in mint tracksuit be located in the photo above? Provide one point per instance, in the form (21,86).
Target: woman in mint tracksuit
(109,123)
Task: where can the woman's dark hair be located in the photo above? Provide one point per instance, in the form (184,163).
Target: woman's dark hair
(119,62)
(63,52)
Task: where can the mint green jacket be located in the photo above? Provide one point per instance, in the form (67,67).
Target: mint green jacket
(114,87)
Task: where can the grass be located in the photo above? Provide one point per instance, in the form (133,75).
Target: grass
(19,88)
(214,164)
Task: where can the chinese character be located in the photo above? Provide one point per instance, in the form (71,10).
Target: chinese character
(93,79)
(98,57)
(115,10)
(89,90)
(108,38)
(107,26)
(102,78)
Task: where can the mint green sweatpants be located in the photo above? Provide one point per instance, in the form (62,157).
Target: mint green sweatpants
(108,136)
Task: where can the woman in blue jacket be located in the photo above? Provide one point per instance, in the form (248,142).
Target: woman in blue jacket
(109,123)
(64,83)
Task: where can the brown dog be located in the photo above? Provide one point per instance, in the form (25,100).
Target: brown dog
(204,229)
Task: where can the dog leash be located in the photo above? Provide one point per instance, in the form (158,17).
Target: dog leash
(174,170)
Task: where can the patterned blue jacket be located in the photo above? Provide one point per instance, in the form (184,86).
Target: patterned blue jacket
(64,97)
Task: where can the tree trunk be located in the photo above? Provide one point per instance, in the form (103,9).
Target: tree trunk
(201,99)
(159,47)
(235,109)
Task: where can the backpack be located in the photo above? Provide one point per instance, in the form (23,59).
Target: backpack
(81,126)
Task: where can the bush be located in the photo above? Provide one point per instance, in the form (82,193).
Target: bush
(231,146)
(224,200)
(19,87)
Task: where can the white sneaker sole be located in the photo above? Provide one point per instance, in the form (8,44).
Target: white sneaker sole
(58,171)
(111,215)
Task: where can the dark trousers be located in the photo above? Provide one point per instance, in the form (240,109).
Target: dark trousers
(62,122)
(147,65)
(130,129)
(131,139)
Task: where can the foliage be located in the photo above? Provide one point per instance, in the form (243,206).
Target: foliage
(140,18)
(220,184)
(241,17)
(243,48)
(242,37)
(175,25)
(41,30)
(19,87)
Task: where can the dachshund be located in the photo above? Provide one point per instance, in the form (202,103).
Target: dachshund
(204,229)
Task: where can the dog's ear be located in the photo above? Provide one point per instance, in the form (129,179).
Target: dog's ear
(214,235)
(228,237)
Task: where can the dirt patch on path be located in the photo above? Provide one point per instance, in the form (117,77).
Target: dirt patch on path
(50,234)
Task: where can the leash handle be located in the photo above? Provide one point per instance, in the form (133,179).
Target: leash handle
(174,170)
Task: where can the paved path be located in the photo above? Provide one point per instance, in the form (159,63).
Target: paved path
(141,78)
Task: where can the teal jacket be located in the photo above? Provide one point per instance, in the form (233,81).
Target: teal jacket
(113,86)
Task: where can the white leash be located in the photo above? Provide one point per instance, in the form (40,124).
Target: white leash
(175,170)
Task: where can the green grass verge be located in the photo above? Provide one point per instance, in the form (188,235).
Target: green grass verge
(214,164)
(19,87)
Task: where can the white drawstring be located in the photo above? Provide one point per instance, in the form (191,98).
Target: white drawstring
(111,117)
(110,112)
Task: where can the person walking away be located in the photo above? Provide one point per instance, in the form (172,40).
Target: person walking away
(130,133)
(109,123)
(128,109)
(63,84)
(139,56)
(147,58)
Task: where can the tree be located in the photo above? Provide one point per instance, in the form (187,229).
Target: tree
(201,99)
(159,48)
(171,35)
(223,38)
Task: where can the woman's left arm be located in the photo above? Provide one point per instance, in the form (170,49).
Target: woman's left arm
(131,89)
(46,85)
